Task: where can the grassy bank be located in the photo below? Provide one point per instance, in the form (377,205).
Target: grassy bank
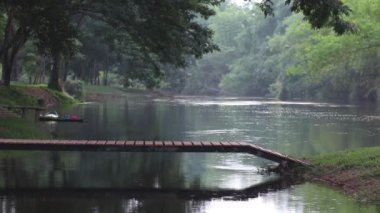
(21,128)
(14,96)
(356,172)
(88,89)
(91,89)
(99,93)
(28,95)
(23,95)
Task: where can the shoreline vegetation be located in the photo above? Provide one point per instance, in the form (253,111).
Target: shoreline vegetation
(355,172)
(12,126)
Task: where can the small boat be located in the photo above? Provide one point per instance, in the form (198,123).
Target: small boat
(53,116)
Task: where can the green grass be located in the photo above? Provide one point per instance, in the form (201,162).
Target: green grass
(64,100)
(110,90)
(13,96)
(101,89)
(26,128)
(365,158)
(21,128)
(362,167)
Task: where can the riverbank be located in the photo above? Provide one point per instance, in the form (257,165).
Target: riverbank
(355,172)
(100,93)
(28,95)
(11,125)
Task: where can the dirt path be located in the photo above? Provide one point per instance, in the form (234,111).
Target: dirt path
(42,94)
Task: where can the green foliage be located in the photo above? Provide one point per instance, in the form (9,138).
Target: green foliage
(253,72)
(204,76)
(330,13)
(63,99)
(75,88)
(142,42)
(55,34)
(284,57)
(17,95)
(344,64)
(151,30)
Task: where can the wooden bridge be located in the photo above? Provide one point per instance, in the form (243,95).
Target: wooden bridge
(150,146)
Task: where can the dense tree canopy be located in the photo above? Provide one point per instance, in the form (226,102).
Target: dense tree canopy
(164,32)
(283,56)
(133,43)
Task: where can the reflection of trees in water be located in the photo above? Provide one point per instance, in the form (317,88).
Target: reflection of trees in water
(91,170)
(51,127)
(124,200)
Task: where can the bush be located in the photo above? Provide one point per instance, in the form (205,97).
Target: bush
(75,88)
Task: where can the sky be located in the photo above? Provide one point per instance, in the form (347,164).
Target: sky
(242,2)
(238,2)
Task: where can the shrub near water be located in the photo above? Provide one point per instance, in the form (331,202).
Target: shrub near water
(75,88)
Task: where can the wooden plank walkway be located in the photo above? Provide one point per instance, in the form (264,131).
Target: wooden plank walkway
(149,146)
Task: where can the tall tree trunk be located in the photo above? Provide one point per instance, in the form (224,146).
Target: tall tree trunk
(105,72)
(37,74)
(7,70)
(105,78)
(54,75)
(12,43)
(5,47)
(92,73)
(9,58)
(65,72)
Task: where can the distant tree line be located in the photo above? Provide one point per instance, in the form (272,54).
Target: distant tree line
(158,44)
(285,57)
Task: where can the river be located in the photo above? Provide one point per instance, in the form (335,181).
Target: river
(187,182)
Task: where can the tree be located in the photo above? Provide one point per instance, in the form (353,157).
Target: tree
(318,64)
(165,32)
(156,27)
(21,17)
(56,36)
(321,13)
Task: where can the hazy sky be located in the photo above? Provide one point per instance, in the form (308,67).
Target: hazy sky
(242,2)
(238,2)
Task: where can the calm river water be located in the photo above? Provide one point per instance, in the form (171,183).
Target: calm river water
(188,182)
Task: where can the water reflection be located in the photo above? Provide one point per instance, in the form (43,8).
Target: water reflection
(271,184)
(123,170)
(313,199)
(300,129)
